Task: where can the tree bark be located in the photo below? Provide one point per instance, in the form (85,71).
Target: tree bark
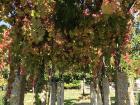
(93,95)
(122,97)
(104,85)
(131,92)
(22,89)
(105,91)
(53,89)
(43,97)
(60,93)
(48,98)
(15,92)
(83,87)
(99,98)
(121,81)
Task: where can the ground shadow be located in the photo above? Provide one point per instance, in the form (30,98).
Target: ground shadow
(74,102)
(83,104)
(70,102)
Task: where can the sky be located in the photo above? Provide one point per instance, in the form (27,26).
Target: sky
(4,23)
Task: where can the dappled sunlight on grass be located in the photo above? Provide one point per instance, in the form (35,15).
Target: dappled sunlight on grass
(72,97)
(72,94)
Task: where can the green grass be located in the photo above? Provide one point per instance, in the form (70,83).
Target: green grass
(71,96)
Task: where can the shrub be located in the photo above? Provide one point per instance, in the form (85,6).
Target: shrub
(75,84)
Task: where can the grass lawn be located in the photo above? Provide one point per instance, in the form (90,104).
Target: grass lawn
(71,97)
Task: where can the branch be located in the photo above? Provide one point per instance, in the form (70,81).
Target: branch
(132,5)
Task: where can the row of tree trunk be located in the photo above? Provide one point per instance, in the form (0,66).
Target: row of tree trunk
(101,96)
(56,93)
(99,92)
(123,91)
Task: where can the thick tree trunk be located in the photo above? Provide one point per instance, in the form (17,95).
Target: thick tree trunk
(121,85)
(22,89)
(60,93)
(93,95)
(53,91)
(122,97)
(104,85)
(15,92)
(105,91)
(99,98)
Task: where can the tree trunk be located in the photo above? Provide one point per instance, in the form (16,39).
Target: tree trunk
(122,97)
(53,89)
(93,95)
(99,98)
(40,81)
(83,87)
(43,97)
(60,93)
(22,89)
(104,85)
(15,92)
(48,98)
(131,92)
(105,91)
